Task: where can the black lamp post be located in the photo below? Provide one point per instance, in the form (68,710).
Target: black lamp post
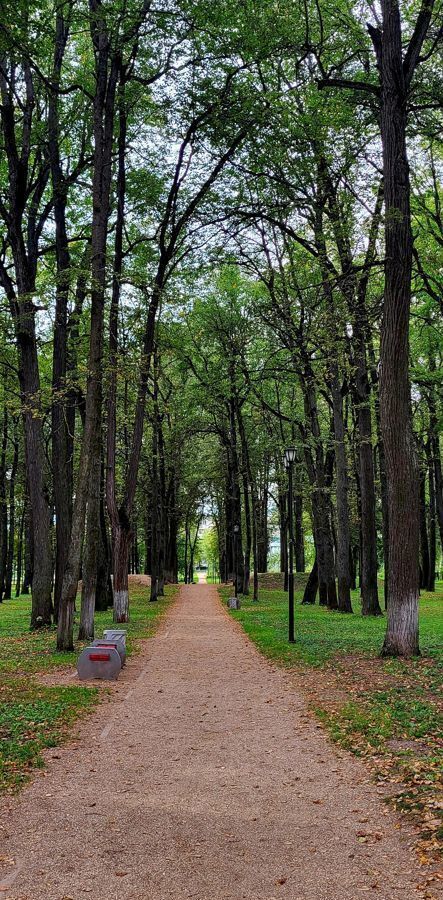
(290,454)
(236,530)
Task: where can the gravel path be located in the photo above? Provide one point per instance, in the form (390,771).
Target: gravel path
(204,777)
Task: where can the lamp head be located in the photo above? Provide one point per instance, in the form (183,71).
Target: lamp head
(236,529)
(290,454)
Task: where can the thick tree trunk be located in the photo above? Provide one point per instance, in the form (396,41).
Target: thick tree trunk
(325,192)
(62,485)
(395,401)
(320,485)
(341,474)
(310,592)
(122,537)
(90,553)
(107,69)
(324,551)
(22,236)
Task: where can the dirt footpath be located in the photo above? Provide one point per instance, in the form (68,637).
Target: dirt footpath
(205,778)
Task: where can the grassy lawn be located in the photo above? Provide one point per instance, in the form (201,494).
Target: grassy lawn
(34,716)
(388,711)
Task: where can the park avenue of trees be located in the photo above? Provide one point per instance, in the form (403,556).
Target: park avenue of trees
(221,234)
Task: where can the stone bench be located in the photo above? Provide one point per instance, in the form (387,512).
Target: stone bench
(99,662)
(117,644)
(114,634)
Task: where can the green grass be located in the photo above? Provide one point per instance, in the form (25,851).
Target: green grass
(391,712)
(321,635)
(34,716)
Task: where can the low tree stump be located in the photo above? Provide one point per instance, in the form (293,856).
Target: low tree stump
(99,662)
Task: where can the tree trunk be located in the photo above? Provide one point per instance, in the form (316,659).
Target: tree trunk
(310,592)
(107,66)
(3,505)
(11,534)
(283,528)
(395,400)
(122,537)
(299,534)
(424,544)
(434,443)
(430,586)
(29,548)
(341,474)
(22,236)
(62,486)
(262,520)
(18,579)
(90,554)
(104,592)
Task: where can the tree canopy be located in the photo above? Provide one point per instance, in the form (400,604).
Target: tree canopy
(221,235)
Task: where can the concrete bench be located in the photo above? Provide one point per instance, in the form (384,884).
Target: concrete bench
(114,634)
(116,644)
(99,662)
(234,603)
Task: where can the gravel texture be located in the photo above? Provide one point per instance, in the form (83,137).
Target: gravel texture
(204,777)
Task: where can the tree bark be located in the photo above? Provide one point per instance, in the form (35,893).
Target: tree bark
(3,504)
(11,528)
(107,68)
(23,236)
(299,534)
(395,400)
(90,553)
(310,592)
(430,586)
(29,548)
(62,484)
(424,543)
(341,475)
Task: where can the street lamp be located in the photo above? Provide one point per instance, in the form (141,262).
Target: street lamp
(236,530)
(290,455)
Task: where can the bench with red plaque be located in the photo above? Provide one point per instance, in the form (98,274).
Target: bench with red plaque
(99,662)
(116,643)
